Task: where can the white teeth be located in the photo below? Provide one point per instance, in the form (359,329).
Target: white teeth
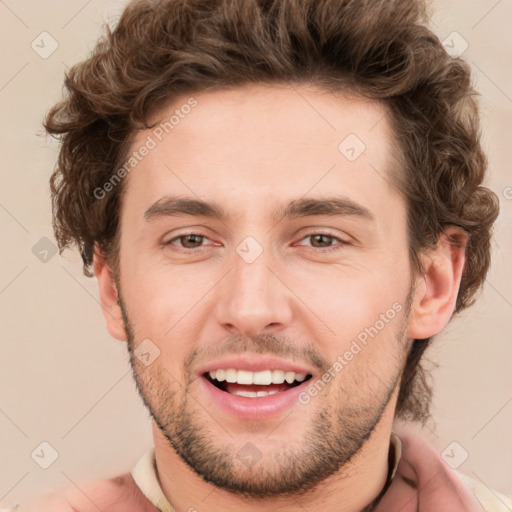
(254,394)
(244,377)
(231,375)
(289,377)
(277,376)
(263,378)
(249,394)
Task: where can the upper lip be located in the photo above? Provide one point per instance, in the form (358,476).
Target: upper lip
(254,363)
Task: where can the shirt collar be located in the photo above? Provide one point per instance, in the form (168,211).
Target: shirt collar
(145,476)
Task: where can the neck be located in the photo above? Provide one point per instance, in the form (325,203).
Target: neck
(355,490)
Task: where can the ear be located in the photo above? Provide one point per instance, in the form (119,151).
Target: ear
(108,296)
(436,291)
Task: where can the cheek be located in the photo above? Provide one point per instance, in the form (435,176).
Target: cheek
(160,290)
(364,316)
(163,306)
(347,297)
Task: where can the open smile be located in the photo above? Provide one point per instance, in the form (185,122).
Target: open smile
(254,394)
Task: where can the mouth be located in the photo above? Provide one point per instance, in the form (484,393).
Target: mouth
(261,394)
(259,384)
(253,386)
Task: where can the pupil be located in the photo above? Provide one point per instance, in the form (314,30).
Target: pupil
(188,237)
(322,237)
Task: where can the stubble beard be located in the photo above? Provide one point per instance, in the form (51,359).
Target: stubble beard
(337,432)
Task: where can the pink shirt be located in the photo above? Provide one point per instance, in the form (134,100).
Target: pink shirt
(419,480)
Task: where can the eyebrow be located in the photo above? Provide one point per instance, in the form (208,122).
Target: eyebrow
(169,206)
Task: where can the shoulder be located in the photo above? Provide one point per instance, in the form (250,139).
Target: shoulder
(491,500)
(423,465)
(119,494)
(48,502)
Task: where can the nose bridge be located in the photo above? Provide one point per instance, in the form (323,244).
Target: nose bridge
(252,297)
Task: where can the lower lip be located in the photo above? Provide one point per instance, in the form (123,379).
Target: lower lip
(256,408)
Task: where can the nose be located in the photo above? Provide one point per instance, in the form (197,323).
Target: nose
(253,298)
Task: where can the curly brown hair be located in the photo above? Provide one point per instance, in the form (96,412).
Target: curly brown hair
(378,49)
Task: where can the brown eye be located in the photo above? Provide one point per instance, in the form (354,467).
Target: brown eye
(191,241)
(322,239)
(187,241)
(323,242)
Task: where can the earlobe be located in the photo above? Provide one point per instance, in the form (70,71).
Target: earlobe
(108,297)
(436,291)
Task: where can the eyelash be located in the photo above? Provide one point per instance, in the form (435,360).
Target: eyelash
(341,244)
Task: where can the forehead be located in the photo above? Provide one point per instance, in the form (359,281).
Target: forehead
(264,142)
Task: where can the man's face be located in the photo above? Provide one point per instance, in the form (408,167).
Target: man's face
(262,292)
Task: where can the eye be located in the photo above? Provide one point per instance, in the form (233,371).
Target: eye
(188,241)
(325,240)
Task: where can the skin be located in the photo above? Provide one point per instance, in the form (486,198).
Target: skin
(252,150)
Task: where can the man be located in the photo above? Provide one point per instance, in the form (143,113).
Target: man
(282,204)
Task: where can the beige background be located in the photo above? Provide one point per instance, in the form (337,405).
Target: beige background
(65,381)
